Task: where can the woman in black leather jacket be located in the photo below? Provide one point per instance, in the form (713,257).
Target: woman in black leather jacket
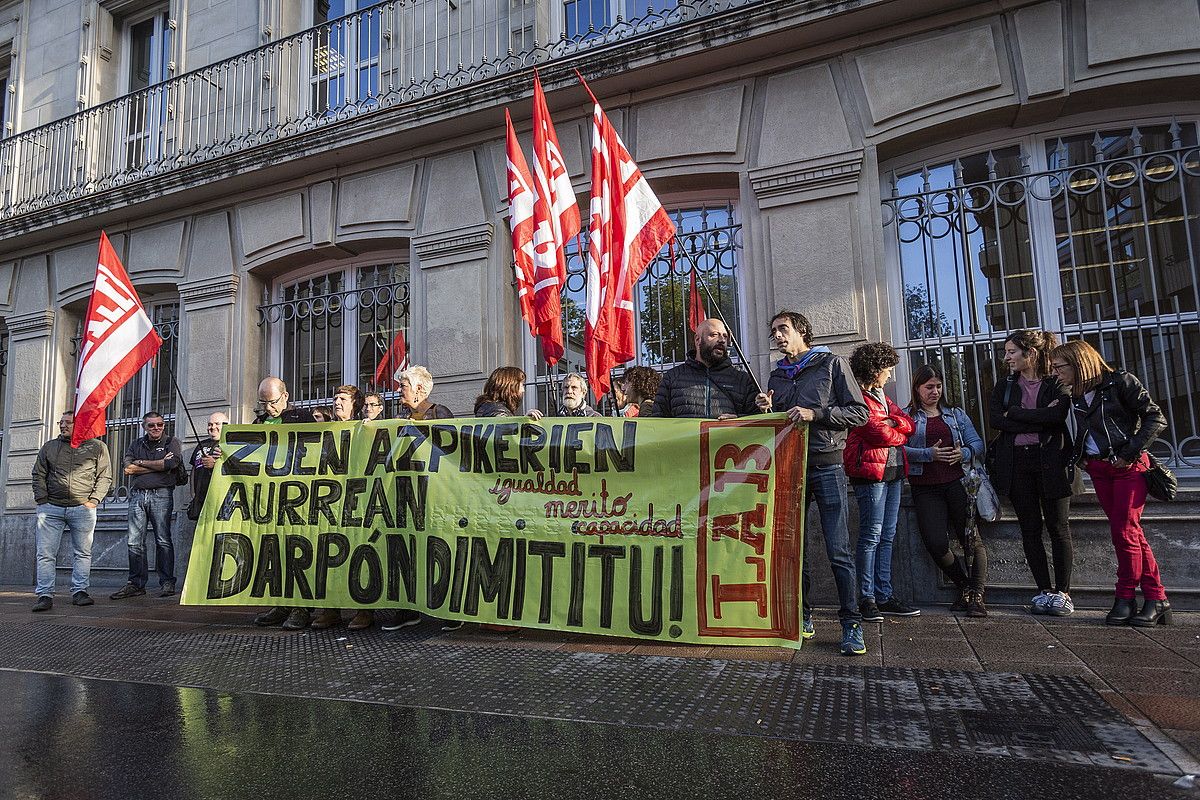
(1115,421)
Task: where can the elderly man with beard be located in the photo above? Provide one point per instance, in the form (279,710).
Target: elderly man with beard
(707,385)
(574,398)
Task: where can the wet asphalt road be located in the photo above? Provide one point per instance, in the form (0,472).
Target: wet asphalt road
(76,739)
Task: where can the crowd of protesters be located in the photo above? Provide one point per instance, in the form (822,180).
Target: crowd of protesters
(1061,410)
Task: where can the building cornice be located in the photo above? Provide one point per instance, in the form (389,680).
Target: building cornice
(813,179)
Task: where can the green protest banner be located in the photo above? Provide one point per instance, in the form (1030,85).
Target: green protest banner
(673,530)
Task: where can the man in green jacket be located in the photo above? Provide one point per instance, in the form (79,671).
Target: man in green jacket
(68,484)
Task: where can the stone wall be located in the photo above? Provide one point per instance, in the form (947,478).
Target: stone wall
(799,134)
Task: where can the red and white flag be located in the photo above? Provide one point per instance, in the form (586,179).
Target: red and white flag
(539,281)
(553,180)
(628,228)
(118,338)
(394,361)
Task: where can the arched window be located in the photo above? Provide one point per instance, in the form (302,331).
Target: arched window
(333,327)
(1091,234)
(709,238)
(151,389)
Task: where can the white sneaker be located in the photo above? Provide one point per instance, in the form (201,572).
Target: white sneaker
(1060,605)
(1040,603)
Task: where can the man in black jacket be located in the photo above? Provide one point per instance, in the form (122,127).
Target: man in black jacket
(706,386)
(815,386)
(273,400)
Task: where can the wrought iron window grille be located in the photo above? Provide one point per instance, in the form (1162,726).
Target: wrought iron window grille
(708,237)
(1102,245)
(316,350)
(386,55)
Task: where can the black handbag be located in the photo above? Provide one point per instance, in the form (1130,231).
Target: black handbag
(1161,483)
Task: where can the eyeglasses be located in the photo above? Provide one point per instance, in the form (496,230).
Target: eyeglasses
(156,425)
(373,405)
(1059,367)
(274,402)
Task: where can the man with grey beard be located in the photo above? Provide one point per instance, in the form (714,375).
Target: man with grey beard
(574,398)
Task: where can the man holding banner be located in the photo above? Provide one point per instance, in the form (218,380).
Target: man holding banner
(707,385)
(815,386)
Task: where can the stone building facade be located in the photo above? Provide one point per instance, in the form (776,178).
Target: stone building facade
(291,184)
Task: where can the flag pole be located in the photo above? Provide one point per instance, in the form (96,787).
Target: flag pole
(186,411)
(717,307)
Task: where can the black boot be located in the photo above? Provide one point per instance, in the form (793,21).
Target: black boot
(1154,612)
(957,572)
(1122,611)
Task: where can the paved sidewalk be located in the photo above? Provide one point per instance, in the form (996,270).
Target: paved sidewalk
(1150,676)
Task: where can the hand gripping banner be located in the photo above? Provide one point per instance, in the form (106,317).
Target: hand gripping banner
(669,530)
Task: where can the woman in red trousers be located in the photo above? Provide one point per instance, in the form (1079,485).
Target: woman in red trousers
(1115,421)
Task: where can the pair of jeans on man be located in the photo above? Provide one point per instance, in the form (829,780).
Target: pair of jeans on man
(151,508)
(826,486)
(52,521)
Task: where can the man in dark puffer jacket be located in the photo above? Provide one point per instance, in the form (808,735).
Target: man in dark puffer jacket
(706,386)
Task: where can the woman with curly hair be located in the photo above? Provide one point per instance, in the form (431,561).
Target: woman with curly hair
(1032,456)
(639,385)
(876,466)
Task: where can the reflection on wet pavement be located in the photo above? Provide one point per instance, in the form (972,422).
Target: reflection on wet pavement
(64,737)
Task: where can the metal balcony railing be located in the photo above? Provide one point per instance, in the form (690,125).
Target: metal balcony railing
(383,56)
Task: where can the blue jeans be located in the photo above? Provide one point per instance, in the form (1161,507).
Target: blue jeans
(153,507)
(51,522)
(827,487)
(878,511)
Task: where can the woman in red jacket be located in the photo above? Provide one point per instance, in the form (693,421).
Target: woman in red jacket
(876,465)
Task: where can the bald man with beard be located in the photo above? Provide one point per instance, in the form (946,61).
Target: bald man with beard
(707,385)
(275,408)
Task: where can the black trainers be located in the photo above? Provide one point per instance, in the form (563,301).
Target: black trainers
(44,603)
(128,590)
(167,589)
(81,599)
(298,620)
(405,618)
(893,607)
(452,624)
(869,611)
(275,616)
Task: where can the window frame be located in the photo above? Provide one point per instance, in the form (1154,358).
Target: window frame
(671,202)
(1033,142)
(350,268)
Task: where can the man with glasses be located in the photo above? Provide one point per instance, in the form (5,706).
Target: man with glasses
(373,407)
(153,462)
(273,410)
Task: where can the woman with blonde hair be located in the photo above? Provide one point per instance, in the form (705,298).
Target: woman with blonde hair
(1115,421)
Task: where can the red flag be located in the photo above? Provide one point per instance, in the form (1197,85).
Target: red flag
(118,338)
(553,180)
(394,361)
(628,228)
(696,313)
(538,280)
